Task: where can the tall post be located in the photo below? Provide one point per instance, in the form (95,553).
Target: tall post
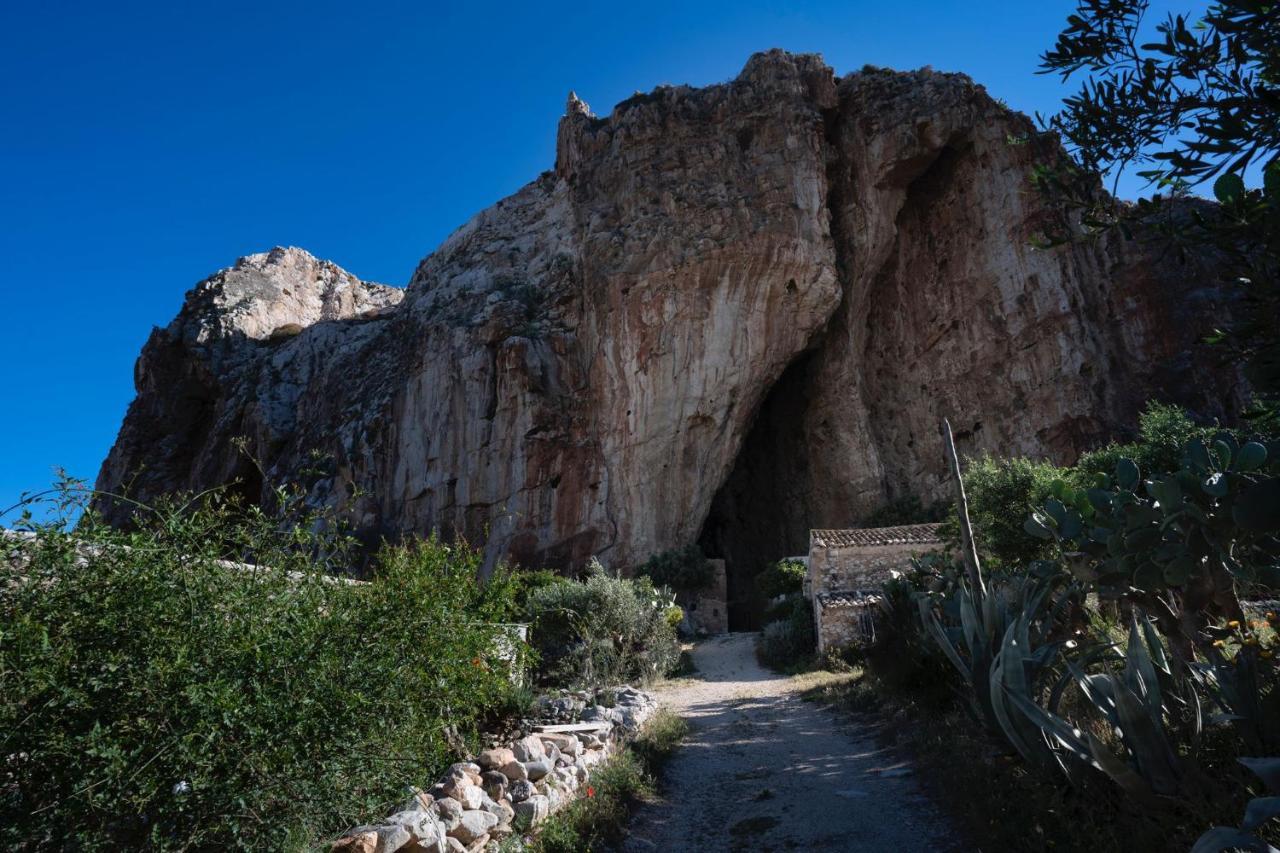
(968,550)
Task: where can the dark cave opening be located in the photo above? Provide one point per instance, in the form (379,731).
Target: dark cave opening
(761,512)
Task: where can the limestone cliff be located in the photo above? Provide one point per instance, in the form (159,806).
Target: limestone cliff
(732,313)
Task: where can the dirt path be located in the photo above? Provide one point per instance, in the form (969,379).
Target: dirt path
(763,770)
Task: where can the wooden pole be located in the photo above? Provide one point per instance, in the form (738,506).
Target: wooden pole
(967,549)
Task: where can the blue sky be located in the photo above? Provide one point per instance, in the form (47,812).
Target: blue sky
(145,145)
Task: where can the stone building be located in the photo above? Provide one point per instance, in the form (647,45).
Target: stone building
(846,571)
(706,612)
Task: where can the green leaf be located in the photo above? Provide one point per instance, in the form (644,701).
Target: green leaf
(1228,188)
(1259,811)
(1215,485)
(1251,457)
(1127,474)
(1266,769)
(1222,838)
(1036,526)
(1271,181)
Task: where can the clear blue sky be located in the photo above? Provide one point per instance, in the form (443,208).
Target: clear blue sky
(145,145)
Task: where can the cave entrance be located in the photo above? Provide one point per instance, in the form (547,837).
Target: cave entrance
(761,512)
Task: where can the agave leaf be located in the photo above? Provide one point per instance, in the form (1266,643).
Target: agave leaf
(1259,811)
(1222,838)
(930,620)
(1056,728)
(1121,773)
(1266,769)
(1006,677)
(1140,674)
(1145,739)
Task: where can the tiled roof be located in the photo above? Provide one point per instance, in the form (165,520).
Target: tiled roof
(907,534)
(849,598)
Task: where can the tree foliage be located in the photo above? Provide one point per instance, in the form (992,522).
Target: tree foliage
(1199,100)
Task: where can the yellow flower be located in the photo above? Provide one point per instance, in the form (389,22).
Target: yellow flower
(1234,623)
(1219,643)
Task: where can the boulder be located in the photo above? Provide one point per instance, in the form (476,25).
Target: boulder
(538,769)
(493,759)
(521,791)
(474,824)
(528,748)
(533,811)
(515,771)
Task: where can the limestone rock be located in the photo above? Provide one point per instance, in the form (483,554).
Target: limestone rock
(495,758)
(533,811)
(473,824)
(515,771)
(729,314)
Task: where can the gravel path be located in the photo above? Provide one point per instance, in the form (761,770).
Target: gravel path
(763,770)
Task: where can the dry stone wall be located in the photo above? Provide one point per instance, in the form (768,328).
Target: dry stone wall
(505,792)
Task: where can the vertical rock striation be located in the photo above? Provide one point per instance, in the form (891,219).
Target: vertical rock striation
(733,312)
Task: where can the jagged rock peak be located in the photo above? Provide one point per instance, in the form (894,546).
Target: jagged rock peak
(284,289)
(576,106)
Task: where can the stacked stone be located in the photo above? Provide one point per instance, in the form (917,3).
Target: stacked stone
(479,804)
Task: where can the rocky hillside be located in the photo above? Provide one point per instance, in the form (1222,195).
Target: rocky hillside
(729,314)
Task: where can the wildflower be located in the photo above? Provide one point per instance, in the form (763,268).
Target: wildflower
(1234,623)
(591,792)
(1218,643)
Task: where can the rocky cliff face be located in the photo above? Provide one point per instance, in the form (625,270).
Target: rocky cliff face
(732,313)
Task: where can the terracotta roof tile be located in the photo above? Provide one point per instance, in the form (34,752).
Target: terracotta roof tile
(907,534)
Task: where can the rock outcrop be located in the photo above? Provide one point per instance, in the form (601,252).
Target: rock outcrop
(733,313)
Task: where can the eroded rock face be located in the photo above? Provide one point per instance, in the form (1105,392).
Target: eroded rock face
(592,366)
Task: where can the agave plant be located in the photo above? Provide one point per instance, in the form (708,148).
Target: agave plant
(1135,704)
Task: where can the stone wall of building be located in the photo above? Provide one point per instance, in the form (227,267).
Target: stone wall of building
(845,619)
(706,612)
(841,569)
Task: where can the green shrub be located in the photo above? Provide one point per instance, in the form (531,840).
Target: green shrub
(684,569)
(1163,431)
(153,695)
(781,578)
(604,630)
(788,640)
(1002,493)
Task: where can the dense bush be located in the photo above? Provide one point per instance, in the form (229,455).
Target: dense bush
(684,569)
(787,640)
(1002,493)
(153,695)
(1163,432)
(781,578)
(604,630)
